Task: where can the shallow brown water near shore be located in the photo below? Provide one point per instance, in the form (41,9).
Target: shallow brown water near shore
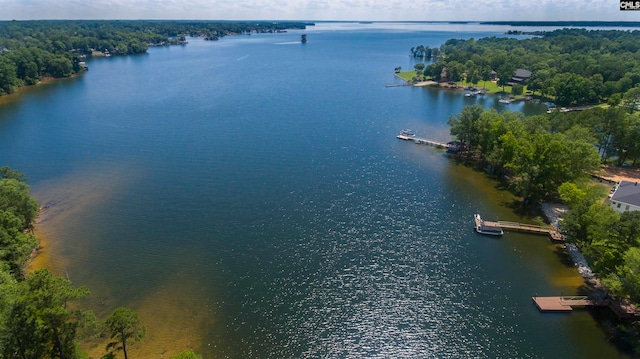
(175,313)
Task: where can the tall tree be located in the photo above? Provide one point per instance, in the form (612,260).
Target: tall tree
(15,196)
(504,73)
(463,126)
(41,312)
(125,328)
(631,99)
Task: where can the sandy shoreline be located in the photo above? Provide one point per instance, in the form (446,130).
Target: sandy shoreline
(618,174)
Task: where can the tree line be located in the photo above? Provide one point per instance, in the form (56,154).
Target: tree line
(571,66)
(40,316)
(528,152)
(33,50)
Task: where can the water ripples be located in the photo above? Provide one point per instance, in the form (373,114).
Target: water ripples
(372,271)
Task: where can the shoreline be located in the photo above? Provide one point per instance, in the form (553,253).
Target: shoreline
(554,212)
(8,98)
(622,308)
(443,85)
(40,257)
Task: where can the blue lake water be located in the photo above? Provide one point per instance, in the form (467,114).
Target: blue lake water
(249,199)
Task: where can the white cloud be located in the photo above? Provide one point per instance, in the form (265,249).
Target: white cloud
(316,9)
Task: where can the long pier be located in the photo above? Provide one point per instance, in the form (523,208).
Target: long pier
(423,141)
(529,228)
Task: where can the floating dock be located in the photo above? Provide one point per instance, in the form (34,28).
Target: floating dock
(567,303)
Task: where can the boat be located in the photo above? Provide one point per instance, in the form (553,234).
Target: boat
(407,132)
(504,100)
(483,227)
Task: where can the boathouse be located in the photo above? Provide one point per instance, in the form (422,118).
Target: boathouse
(521,76)
(626,197)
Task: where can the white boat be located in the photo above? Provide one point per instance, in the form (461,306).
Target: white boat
(504,100)
(407,132)
(483,227)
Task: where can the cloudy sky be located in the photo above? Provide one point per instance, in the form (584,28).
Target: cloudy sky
(390,10)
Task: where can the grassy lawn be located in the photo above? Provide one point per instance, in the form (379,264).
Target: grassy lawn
(491,87)
(407,75)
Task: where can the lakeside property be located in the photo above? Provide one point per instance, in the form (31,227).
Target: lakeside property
(485,87)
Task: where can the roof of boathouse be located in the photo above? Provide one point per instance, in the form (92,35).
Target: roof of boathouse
(522,73)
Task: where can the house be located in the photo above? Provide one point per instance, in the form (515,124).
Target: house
(520,76)
(626,197)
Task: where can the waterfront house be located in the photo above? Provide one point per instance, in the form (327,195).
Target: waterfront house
(626,197)
(520,76)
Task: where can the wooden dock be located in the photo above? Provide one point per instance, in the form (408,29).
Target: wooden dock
(395,85)
(423,141)
(566,303)
(532,228)
(623,309)
(529,228)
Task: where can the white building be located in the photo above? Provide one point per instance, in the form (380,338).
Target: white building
(626,197)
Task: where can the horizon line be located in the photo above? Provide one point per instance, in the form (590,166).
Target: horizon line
(357,21)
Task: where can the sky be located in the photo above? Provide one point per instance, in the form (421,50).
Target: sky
(371,10)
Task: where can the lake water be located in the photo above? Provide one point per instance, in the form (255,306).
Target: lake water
(249,199)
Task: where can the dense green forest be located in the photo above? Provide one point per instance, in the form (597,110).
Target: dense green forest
(36,319)
(539,153)
(33,50)
(570,66)
(534,159)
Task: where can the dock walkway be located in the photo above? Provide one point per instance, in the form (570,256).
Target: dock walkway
(530,228)
(567,303)
(423,141)
(623,309)
(525,227)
